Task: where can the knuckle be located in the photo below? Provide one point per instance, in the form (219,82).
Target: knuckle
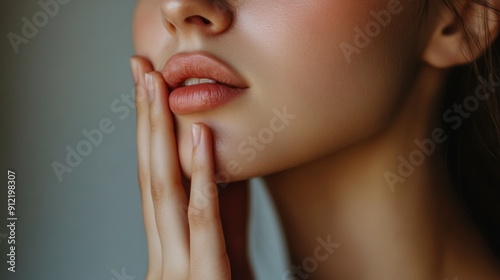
(175,267)
(158,189)
(156,121)
(198,217)
(196,167)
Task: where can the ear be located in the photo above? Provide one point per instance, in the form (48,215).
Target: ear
(463,35)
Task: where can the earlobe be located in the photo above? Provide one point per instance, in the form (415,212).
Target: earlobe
(462,35)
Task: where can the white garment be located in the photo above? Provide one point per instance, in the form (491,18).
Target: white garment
(267,246)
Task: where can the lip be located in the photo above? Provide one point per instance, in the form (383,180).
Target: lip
(201,97)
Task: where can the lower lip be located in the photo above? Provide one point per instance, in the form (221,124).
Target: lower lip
(201,97)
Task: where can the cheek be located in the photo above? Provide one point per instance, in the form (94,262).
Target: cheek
(291,56)
(294,57)
(150,38)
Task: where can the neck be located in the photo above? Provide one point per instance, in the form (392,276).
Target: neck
(393,217)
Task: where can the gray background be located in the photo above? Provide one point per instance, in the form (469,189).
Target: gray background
(65,80)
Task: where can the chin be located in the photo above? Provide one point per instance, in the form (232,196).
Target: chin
(227,167)
(230,166)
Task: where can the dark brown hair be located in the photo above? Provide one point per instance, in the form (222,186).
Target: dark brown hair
(473,150)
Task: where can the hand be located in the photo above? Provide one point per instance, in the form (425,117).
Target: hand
(189,237)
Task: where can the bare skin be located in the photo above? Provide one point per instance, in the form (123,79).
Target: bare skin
(186,238)
(326,170)
(416,231)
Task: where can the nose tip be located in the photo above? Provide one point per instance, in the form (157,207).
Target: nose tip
(210,17)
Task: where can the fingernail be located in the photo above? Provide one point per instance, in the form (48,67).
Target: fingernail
(196,133)
(134,66)
(149,86)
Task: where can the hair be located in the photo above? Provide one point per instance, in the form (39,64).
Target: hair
(472,151)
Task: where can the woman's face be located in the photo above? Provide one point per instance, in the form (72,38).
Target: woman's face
(321,74)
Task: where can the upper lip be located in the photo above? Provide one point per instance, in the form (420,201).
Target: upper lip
(183,66)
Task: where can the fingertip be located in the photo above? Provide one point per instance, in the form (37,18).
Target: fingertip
(205,138)
(143,65)
(140,66)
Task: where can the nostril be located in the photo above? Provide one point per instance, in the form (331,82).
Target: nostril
(205,21)
(198,20)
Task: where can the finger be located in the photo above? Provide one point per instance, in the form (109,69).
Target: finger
(139,67)
(169,197)
(209,259)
